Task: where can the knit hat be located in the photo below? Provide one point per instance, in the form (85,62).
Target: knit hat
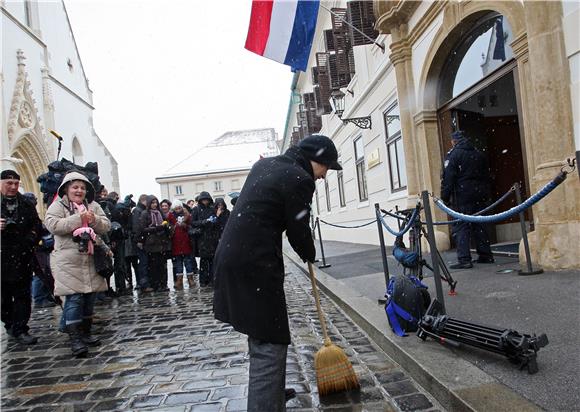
(176,203)
(320,149)
(9,174)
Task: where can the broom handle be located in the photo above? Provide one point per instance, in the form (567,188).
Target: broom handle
(317,300)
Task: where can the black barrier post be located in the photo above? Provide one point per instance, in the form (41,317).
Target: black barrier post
(382,300)
(531,270)
(433,249)
(324,264)
(313,223)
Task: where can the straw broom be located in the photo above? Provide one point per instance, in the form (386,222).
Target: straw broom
(334,372)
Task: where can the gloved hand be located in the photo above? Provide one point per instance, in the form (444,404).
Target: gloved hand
(211,219)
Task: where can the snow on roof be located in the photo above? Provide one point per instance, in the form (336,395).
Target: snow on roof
(237,150)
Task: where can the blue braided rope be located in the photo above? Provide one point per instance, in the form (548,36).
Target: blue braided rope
(540,194)
(405,229)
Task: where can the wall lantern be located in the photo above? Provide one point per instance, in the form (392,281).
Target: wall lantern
(338,105)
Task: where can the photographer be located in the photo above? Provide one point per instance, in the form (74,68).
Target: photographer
(203,220)
(180,219)
(19,228)
(75,220)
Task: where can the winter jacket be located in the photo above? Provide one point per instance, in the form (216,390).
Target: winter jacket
(133,228)
(73,271)
(155,239)
(18,239)
(207,241)
(248,266)
(466,178)
(180,242)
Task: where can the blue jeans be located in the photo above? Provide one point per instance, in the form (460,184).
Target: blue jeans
(180,261)
(78,307)
(40,292)
(143,272)
(267,376)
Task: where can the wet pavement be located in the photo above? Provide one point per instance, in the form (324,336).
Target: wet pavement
(166,352)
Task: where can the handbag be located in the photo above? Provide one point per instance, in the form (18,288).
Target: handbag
(103,261)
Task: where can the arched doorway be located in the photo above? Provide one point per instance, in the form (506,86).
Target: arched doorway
(477,93)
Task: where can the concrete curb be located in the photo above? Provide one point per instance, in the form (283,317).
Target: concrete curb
(456,383)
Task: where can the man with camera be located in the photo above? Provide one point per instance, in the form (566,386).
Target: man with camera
(19,228)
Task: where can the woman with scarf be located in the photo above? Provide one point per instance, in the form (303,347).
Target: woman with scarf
(154,239)
(76,221)
(181,247)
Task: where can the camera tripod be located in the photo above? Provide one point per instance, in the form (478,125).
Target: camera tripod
(416,232)
(519,348)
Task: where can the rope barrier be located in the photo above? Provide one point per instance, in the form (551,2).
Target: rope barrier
(540,194)
(348,227)
(405,229)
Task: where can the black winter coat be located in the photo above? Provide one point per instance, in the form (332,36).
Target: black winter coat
(466,177)
(18,239)
(248,266)
(207,241)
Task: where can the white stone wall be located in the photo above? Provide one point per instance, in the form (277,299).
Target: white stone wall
(191,186)
(571,20)
(63,101)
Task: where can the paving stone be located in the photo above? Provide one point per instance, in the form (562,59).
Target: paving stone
(145,401)
(73,396)
(414,402)
(207,407)
(236,405)
(230,392)
(400,388)
(105,393)
(111,405)
(187,398)
(136,390)
(388,377)
(48,398)
(168,387)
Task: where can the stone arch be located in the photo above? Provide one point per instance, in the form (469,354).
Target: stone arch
(457,19)
(77,151)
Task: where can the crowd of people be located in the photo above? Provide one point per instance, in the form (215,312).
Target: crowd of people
(130,244)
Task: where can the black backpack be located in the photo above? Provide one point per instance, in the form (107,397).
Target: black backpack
(407,302)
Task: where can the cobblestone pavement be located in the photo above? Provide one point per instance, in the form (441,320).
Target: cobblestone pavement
(165,352)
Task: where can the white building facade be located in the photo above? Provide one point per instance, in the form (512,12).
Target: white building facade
(506,72)
(221,167)
(43,88)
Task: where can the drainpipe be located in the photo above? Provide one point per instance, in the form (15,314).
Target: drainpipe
(290,104)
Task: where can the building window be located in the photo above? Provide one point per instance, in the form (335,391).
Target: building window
(217,186)
(397,168)
(199,187)
(235,184)
(77,152)
(327,193)
(359,158)
(178,190)
(27,13)
(341,197)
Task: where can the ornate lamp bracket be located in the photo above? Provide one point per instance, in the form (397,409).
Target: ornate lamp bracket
(360,122)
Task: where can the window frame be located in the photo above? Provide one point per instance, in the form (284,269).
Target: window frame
(178,190)
(218,185)
(359,162)
(340,183)
(393,140)
(327,194)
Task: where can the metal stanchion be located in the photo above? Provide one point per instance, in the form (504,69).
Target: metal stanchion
(313,224)
(382,300)
(433,249)
(530,268)
(324,264)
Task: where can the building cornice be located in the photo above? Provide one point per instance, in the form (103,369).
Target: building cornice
(393,13)
(23,27)
(188,176)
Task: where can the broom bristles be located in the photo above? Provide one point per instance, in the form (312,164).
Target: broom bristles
(334,372)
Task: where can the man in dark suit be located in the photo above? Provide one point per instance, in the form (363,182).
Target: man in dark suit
(466,184)
(249,268)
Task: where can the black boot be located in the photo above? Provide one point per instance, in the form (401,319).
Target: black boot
(25,339)
(77,346)
(86,336)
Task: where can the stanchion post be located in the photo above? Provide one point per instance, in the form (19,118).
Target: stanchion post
(382,300)
(529,265)
(324,264)
(433,249)
(314,223)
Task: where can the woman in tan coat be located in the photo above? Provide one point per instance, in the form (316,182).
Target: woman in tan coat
(76,220)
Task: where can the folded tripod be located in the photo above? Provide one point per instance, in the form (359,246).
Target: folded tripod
(520,349)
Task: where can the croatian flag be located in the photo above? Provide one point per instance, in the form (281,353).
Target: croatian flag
(282,30)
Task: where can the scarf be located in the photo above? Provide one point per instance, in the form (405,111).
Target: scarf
(156,218)
(85,228)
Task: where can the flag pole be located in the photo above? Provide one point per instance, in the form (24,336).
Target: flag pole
(381,46)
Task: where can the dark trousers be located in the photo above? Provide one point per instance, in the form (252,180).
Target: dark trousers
(120,268)
(132,261)
(157,270)
(464,231)
(206,271)
(16,305)
(142,274)
(267,376)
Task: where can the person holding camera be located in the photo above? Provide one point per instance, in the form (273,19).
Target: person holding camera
(182,252)
(154,240)
(19,228)
(204,222)
(76,221)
